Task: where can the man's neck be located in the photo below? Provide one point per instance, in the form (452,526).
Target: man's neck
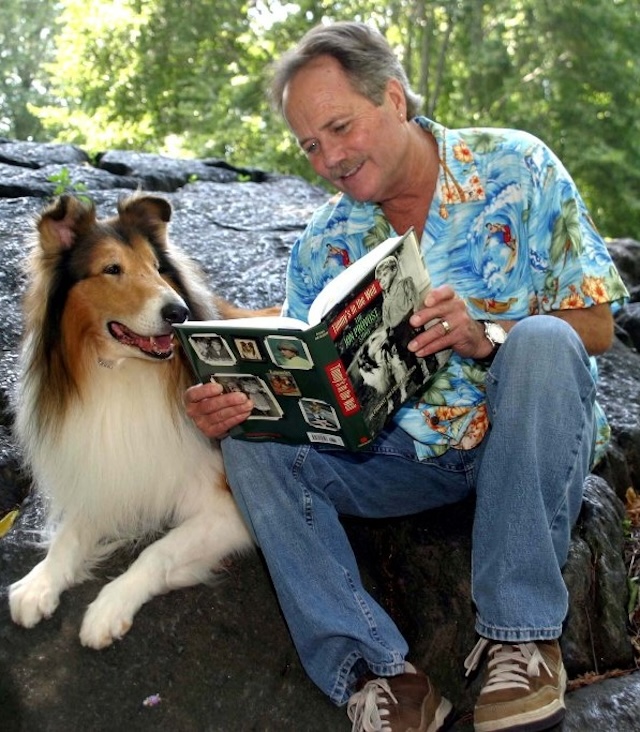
(410,207)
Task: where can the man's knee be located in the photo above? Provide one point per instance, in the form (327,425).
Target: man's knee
(543,340)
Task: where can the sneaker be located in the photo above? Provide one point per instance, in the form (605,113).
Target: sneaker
(524,686)
(405,703)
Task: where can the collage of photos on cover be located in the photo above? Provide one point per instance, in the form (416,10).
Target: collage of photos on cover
(284,355)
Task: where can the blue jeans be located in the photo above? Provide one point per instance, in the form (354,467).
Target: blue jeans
(527,475)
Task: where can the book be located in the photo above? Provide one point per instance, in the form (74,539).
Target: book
(338,378)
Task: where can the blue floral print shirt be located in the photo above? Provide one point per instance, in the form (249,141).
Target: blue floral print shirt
(507,229)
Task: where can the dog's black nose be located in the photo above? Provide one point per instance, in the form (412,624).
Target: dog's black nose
(175,313)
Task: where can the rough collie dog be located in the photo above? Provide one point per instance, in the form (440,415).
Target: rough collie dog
(100,416)
(381,367)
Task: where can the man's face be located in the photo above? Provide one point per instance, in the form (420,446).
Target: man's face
(386,277)
(349,141)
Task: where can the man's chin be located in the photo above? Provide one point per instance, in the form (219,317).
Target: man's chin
(359,193)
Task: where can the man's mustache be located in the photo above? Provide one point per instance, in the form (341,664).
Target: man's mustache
(344,168)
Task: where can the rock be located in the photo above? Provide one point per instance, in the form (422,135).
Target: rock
(629,320)
(614,707)
(626,254)
(593,639)
(220,657)
(36,155)
(619,394)
(160,173)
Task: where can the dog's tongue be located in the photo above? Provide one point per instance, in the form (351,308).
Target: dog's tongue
(155,345)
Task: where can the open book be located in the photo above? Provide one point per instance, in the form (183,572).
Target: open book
(337,378)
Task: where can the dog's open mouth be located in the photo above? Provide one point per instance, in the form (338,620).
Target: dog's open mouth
(157,346)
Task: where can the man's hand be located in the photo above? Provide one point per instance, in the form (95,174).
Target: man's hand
(450,326)
(454,328)
(213,412)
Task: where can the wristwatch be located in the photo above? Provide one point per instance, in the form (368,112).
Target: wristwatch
(496,335)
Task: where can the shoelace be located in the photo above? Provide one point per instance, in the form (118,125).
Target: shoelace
(364,707)
(510,666)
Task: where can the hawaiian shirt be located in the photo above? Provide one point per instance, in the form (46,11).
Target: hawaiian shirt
(507,229)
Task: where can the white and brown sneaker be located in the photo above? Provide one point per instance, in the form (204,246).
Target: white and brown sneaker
(405,703)
(524,686)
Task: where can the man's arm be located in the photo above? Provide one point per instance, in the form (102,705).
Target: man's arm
(594,325)
(466,336)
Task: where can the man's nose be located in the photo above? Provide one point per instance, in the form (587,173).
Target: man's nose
(333,154)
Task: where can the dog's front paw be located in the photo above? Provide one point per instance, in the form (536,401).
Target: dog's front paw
(105,621)
(33,598)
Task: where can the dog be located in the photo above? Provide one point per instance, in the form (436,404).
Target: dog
(381,368)
(100,419)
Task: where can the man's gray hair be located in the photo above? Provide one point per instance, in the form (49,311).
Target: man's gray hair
(363,53)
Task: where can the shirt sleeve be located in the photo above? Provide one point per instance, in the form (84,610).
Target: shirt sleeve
(572,265)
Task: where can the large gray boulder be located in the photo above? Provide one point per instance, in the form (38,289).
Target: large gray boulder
(220,657)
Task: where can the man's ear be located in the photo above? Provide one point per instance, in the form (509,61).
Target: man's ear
(395,95)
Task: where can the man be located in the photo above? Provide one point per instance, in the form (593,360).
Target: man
(400,298)
(400,294)
(514,418)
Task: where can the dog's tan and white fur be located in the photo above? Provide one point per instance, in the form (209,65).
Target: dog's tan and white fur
(100,416)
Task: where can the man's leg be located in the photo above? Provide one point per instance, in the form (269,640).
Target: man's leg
(291,497)
(530,480)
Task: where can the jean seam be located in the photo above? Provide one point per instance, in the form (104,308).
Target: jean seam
(579,436)
(366,612)
(339,691)
(516,635)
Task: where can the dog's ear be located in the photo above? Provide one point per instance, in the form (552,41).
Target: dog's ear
(60,223)
(147,213)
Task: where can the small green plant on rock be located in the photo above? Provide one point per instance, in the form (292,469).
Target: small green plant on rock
(64,184)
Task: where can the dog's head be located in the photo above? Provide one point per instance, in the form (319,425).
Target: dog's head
(373,361)
(112,286)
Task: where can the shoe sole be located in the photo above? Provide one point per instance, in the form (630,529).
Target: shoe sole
(534,721)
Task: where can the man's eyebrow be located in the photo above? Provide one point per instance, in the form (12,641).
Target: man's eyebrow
(322,128)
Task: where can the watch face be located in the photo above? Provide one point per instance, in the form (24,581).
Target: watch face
(495,333)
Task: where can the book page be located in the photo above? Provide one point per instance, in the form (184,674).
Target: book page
(265,322)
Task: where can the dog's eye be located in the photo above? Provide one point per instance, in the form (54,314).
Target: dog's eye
(112,269)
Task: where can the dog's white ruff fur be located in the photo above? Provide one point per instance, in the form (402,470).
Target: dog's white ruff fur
(125,477)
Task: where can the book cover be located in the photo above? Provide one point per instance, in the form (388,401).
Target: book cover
(337,379)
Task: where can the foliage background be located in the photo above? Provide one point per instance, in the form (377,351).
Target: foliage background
(187,77)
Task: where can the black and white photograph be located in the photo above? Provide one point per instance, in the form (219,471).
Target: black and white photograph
(319,415)
(212,349)
(265,405)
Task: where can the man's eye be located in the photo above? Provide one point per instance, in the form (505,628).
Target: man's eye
(311,147)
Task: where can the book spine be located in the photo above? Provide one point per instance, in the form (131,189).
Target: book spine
(339,389)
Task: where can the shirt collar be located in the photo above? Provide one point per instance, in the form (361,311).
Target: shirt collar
(458,177)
